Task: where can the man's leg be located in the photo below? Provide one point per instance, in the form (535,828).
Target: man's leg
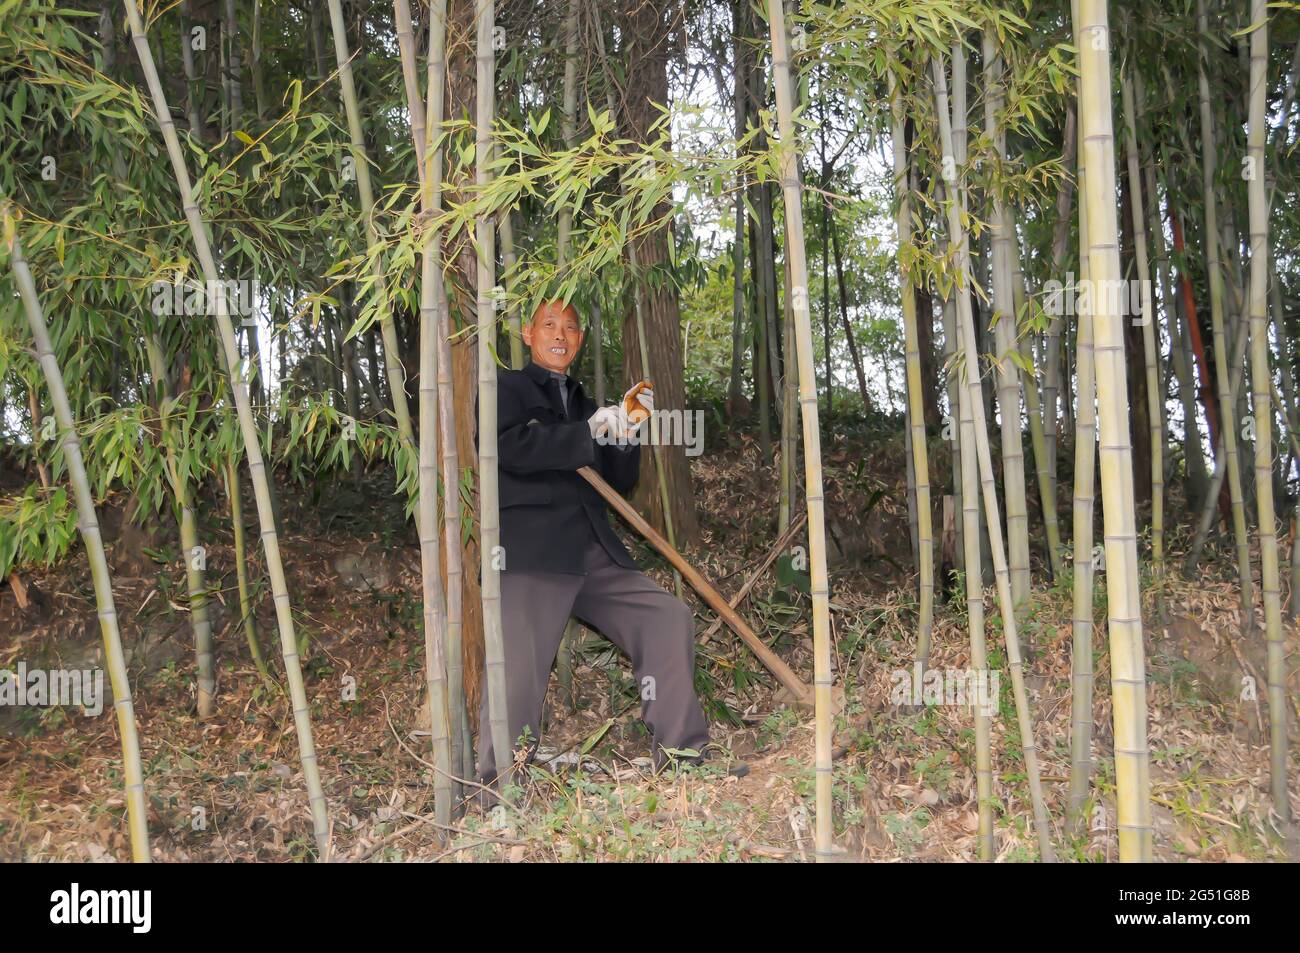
(657,630)
(534,609)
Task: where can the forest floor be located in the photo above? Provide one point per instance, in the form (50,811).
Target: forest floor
(229,788)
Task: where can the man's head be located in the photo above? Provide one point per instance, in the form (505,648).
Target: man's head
(554,334)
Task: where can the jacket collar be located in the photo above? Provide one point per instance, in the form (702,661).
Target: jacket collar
(542,378)
(539,374)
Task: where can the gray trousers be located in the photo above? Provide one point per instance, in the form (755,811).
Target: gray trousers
(655,629)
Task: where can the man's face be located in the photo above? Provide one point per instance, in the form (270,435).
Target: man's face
(554,336)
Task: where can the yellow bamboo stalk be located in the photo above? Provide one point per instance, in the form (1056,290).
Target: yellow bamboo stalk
(1128,667)
(88,523)
(979,434)
(1261,379)
(820,591)
(252,440)
(916,414)
(1085,465)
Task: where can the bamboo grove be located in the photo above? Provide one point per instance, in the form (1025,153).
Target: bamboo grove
(232,261)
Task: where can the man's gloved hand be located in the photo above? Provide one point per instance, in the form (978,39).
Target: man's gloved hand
(605,423)
(645,398)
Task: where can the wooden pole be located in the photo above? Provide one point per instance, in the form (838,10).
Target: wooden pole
(773,662)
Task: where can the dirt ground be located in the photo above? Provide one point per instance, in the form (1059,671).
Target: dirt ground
(229,788)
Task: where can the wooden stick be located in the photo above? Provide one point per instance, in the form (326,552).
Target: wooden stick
(777,548)
(801,690)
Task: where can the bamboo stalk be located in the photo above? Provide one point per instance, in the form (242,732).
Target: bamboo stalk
(1209,504)
(88,523)
(236,498)
(252,441)
(510,262)
(916,413)
(1215,265)
(1128,668)
(823,678)
(951,145)
(1150,346)
(569,125)
(462,749)
(1261,377)
(191,553)
(1180,348)
(978,433)
(1004,248)
(365,191)
(435,609)
(1085,465)
(489,507)
(1060,241)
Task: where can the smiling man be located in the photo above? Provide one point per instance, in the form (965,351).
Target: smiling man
(562,558)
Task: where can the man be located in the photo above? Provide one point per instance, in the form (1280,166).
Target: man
(562,558)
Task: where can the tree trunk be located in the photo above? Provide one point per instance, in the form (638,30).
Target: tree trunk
(645,29)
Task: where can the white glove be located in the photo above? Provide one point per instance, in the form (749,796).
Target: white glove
(604,423)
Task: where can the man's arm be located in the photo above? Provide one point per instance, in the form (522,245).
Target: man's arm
(524,448)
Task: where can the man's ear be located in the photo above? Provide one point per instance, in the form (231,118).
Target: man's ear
(528,334)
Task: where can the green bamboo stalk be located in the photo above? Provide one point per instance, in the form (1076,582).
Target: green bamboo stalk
(252,444)
(734,393)
(388,331)
(509,261)
(952,426)
(1044,475)
(1215,265)
(236,498)
(88,523)
(916,413)
(489,507)
(823,678)
(191,552)
(435,609)
(1042,470)
(1261,376)
(1150,346)
(1004,248)
(1128,667)
(1052,364)
(569,124)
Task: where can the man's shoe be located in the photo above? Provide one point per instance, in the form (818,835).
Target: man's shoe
(714,756)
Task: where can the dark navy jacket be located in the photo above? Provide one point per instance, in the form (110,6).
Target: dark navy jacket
(548,512)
